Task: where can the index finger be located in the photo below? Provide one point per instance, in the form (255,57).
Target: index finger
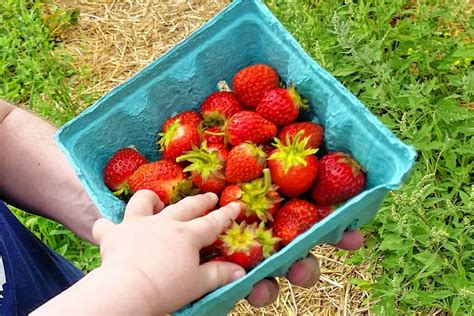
(190,207)
(206,229)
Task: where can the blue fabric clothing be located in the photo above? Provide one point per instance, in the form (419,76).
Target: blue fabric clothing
(33,273)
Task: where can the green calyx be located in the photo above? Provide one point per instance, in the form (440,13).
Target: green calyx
(214,118)
(256,151)
(254,195)
(167,136)
(122,190)
(355,166)
(266,238)
(183,189)
(299,101)
(240,237)
(203,161)
(294,153)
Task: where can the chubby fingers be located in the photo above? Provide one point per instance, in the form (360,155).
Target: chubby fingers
(190,207)
(143,203)
(207,228)
(351,240)
(304,273)
(264,293)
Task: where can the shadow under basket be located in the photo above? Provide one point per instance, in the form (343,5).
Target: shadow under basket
(244,33)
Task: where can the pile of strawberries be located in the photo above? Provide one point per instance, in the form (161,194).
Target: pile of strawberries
(245,146)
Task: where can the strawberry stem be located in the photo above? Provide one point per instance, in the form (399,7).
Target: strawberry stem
(267,183)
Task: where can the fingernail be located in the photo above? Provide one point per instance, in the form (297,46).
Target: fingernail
(237,274)
(234,205)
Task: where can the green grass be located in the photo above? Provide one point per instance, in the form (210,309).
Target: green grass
(410,64)
(412,67)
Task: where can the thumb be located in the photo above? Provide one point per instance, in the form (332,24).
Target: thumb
(215,274)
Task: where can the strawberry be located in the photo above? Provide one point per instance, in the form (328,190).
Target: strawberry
(214,249)
(207,212)
(206,167)
(340,178)
(324,211)
(166,178)
(245,162)
(249,126)
(281,106)
(270,243)
(177,139)
(231,192)
(241,245)
(293,219)
(219,106)
(312,130)
(251,83)
(120,167)
(214,135)
(258,199)
(188,117)
(293,167)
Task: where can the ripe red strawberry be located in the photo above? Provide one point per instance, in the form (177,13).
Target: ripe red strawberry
(219,106)
(249,126)
(214,135)
(166,178)
(340,178)
(207,167)
(324,211)
(293,219)
(231,192)
(120,167)
(188,117)
(293,167)
(270,243)
(177,139)
(244,163)
(258,199)
(251,83)
(207,211)
(281,106)
(241,245)
(214,249)
(312,130)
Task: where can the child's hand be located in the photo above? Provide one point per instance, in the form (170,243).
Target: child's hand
(160,253)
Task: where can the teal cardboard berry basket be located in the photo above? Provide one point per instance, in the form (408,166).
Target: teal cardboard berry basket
(244,33)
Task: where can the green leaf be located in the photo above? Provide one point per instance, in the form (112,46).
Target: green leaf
(360,283)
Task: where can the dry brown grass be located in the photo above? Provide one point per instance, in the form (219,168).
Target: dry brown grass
(117,38)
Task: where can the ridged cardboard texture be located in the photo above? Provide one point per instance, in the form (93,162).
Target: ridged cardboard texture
(244,33)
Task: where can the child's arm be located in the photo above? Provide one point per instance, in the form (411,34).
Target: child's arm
(150,263)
